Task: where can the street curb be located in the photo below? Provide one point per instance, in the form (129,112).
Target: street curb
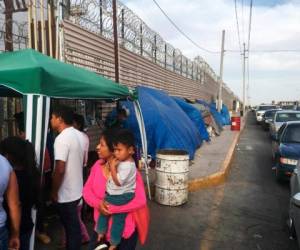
(220,176)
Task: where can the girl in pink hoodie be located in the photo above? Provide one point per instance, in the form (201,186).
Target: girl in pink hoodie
(137,220)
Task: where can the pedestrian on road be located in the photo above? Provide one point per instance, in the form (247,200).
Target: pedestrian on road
(67,177)
(10,192)
(137,219)
(21,156)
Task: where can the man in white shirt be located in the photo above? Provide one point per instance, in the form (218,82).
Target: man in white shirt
(67,177)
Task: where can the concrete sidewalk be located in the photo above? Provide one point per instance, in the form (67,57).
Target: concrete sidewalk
(212,160)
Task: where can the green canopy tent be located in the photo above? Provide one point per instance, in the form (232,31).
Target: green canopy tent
(38,78)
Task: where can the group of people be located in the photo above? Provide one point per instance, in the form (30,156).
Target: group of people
(114,187)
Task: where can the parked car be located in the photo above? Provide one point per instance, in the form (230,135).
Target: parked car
(261,109)
(268,118)
(294,211)
(282,117)
(286,149)
(289,107)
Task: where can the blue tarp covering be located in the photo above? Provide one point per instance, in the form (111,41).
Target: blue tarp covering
(212,108)
(225,114)
(167,125)
(195,115)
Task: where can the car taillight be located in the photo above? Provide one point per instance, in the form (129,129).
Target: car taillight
(288,161)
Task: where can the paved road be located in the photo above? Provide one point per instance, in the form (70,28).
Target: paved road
(249,211)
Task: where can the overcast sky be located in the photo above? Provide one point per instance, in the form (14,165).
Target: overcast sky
(275,26)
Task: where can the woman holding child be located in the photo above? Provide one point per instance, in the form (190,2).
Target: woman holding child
(115,187)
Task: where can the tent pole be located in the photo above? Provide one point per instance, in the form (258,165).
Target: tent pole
(36,109)
(141,124)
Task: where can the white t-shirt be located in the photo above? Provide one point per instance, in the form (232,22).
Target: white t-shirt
(68,148)
(85,144)
(126,174)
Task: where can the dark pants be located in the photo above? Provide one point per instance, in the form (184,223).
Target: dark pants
(3,238)
(69,218)
(126,244)
(118,220)
(41,208)
(25,240)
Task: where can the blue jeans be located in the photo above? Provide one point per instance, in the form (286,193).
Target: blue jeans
(69,218)
(118,220)
(3,238)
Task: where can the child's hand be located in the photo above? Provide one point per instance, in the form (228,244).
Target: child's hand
(113,163)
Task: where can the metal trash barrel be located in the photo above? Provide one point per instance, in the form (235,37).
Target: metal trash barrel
(235,123)
(172,168)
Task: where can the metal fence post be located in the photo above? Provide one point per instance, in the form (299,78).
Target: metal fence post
(192,70)
(174,60)
(101,16)
(141,39)
(155,50)
(166,48)
(187,68)
(122,25)
(181,64)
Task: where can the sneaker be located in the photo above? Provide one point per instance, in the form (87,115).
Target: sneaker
(44,238)
(102,246)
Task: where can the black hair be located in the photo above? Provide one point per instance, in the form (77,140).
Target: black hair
(124,136)
(21,153)
(65,113)
(20,121)
(79,120)
(108,135)
(122,111)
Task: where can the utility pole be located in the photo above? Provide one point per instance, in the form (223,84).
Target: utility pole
(116,43)
(244,86)
(221,72)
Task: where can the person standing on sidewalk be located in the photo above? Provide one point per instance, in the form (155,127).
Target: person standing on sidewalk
(67,177)
(10,192)
(137,219)
(78,123)
(21,156)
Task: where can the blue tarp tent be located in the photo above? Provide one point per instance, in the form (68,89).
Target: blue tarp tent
(225,114)
(167,125)
(212,108)
(195,115)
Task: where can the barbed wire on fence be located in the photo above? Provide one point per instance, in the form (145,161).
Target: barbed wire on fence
(136,36)
(19,31)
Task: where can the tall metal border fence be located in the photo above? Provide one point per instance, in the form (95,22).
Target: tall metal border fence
(87,41)
(145,58)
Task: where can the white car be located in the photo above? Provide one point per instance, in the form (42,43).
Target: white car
(280,118)
(261,109)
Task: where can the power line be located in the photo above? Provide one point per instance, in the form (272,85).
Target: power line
(268,51)
(243,21)
(250,22)
(183,33)
(238,26)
